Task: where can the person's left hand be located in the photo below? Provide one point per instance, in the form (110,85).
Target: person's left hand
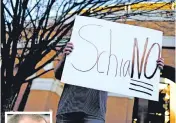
(160,63)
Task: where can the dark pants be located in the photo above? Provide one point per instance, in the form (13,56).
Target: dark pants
(78,117)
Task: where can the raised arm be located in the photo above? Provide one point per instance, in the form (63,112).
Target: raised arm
(59,67)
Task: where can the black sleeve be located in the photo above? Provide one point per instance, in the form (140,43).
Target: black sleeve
(58,73)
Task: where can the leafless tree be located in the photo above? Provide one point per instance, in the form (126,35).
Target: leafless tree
(41,25)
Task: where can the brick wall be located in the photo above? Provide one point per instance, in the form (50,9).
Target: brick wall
(169,57)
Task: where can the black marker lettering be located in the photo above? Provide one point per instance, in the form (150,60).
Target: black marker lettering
(133,58)
(146,60)
(93,45)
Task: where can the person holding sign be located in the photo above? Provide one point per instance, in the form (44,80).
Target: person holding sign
(80,104)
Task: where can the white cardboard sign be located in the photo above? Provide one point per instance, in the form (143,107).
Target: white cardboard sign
(113,57)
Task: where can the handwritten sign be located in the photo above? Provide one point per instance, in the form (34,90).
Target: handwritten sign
(113,57)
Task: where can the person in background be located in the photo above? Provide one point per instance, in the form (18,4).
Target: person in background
(26,118)
(80,104)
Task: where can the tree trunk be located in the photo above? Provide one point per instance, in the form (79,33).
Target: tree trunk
(9,96)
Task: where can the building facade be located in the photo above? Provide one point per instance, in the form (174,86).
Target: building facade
(43,93)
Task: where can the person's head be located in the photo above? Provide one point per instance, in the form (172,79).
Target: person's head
(27,118)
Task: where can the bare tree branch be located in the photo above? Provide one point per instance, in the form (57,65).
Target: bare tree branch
(7,10)
(31,79)
(36,5)
(11,2)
